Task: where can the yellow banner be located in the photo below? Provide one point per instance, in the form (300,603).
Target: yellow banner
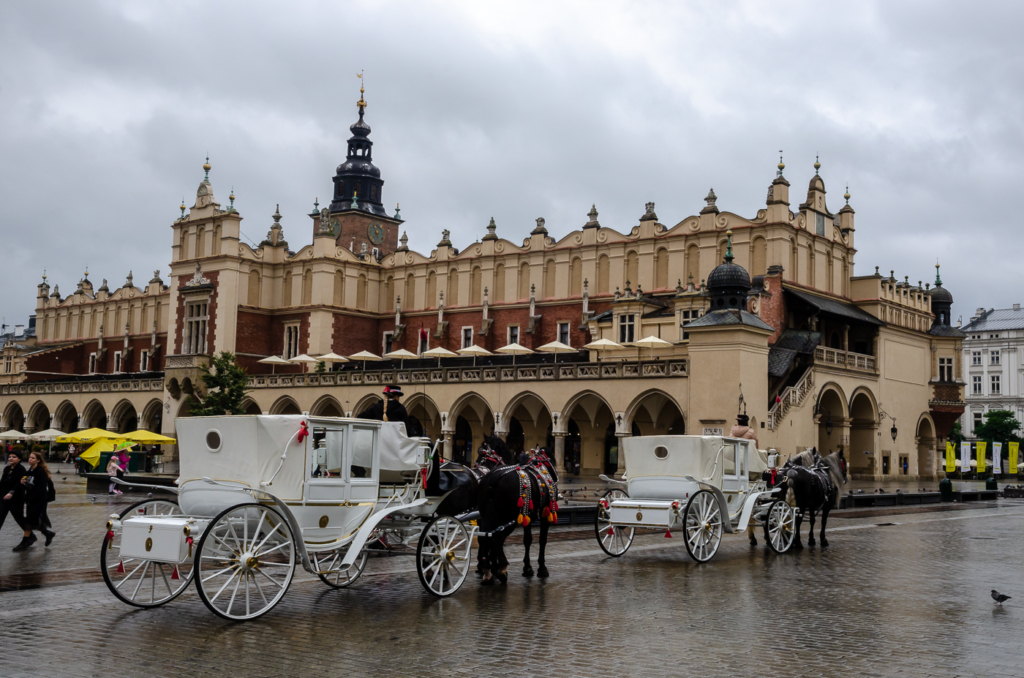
(981,455)
(1013,456)
(950,458)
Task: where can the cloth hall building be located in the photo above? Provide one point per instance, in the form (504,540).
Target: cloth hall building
(761,314)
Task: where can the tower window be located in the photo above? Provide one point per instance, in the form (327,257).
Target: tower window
(627,326)
(195,327)
(945,369)
(291,341)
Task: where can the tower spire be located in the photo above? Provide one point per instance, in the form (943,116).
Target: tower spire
(361,104)
(728,247)
(938,280)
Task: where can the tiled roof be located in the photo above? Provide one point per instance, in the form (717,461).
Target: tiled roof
(833,307)
(728,317)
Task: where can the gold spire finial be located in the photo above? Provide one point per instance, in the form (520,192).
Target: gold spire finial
(362,102)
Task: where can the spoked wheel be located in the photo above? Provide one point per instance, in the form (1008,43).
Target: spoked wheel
(614,539)
(780,526)
(443,555)
(245,562)
(138,582)
(330,571)
(703,526)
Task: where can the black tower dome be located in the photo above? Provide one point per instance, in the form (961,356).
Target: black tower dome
(942,301)
(357,184)
(729,283)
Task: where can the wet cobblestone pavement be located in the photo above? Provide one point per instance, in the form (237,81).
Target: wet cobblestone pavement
(904,594)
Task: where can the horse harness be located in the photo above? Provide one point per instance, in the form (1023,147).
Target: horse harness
(538,469)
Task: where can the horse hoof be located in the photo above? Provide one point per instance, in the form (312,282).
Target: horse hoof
(798,546)
(502,577)
(753,542)
(810,542)
(487,582)
(527,571)
(542,572)
(824,542)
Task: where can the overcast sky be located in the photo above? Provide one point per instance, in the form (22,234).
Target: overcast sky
(511,110)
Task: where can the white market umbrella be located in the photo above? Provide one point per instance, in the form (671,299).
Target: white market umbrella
(556,347)
(365,357)
(304,360)
(331,358)
(439,353)
(49,434)
(400,354)
(652,342)
(12,435)
(514,350)
(474,351)
(273,361)
(602,345)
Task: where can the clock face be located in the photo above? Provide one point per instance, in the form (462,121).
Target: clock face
(334,225)
(376,233)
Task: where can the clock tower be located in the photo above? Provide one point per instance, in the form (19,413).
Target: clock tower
(357,216)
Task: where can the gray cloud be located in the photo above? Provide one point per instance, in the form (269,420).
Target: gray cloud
(513,111)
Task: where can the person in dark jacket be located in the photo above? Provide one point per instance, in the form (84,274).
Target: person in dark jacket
(389,409)
(11,491)
(37,485)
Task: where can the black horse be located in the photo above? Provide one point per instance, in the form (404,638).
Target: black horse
(510,496)
(812,483)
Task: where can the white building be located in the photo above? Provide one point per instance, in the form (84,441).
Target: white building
(992,366)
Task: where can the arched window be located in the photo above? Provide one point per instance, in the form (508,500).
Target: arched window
(633,269)
(215,248)
(200,242)
(389,294)
(661,268)
(475,286)
(499,284)
(830,270)
(576,277)
(409,298)
(451,297)
(361,292)
(524,281)
(549,279)
(811,269)
(693,264)
(307,288)
(339,288)
(253,298)
(431,300)
(759,257)
(794,262)
(183,242)
(286,296)
(603,274)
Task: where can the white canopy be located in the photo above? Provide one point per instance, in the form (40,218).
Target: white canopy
(49,434)
(474,350)
(556,347)
(400,354)
(439,352)
(514,349)
(364,356)
(332,358)
(303,359)
(652,342)
(603,345)
(273,360)
(12,435)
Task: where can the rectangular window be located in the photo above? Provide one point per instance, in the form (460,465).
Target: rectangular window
(144,361)
(513,334)
(994,358)
(977,421)
(195,327)
(424,342)
(117,361)
(563,333)
(388,342)
(291,341)
(92,363)
(945,369)
(976,386)
(819,224)
(976,357)
(627,324)
(995,385)
(467,337)
(8,365)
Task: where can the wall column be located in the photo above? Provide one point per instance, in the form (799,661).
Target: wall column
(559,450)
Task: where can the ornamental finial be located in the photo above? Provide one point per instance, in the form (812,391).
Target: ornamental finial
(206,167)
(817,165)
(781,165)
(361,104)
(847,194)
(938,280)
(728,247)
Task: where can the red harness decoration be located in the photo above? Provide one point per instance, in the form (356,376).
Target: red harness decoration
(303,431)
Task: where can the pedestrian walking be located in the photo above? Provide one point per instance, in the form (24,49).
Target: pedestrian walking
(11,491)
(39,492)
(114,471)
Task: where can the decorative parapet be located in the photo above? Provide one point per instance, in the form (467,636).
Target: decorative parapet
(844,359)
(105,386)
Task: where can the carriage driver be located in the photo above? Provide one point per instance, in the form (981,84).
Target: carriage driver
(389,409)
(743,430)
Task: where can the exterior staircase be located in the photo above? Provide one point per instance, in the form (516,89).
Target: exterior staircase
(791,396)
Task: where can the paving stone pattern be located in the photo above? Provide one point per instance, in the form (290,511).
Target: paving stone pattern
(911,598)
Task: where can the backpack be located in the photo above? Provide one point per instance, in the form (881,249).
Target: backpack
(51,492)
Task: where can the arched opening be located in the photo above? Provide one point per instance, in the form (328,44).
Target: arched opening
(475,286)
(693,264)
(655,413)
(14,417)
(516,438)
(250,406)
(431,300)
(462,441)
(339,288)
(661,269)
(326,406)
(424,417)
(410,292)
(524,281)
(285,405)
(603,274)
(549,279)
(633,268)
(589,416)
(926,460)
(499,284)
(307,288)
(389,294)
(534,417)
(451,297)
(38,418)
(831,419)
(95,415)
(576,277)
(124,418)
(66,418)
(476,414)
(152,416)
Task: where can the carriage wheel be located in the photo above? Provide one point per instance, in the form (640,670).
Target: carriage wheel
(245,562)
(702,526)
(328,565)
(143,583)
(614,539)
(780,526)
(443,555)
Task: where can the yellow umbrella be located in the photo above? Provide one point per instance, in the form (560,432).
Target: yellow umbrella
(92,455)
(89,435)
(148,437)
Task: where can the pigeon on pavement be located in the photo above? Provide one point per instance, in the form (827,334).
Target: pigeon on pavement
(999,597)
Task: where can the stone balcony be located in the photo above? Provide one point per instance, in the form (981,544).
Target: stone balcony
(833,357)
(470,375)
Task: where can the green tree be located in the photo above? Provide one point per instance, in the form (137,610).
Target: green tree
(225,384)
(956,435)
(1000,426)
(321,367)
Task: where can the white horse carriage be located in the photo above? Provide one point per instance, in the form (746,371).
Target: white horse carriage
(258,494)
(703,486)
